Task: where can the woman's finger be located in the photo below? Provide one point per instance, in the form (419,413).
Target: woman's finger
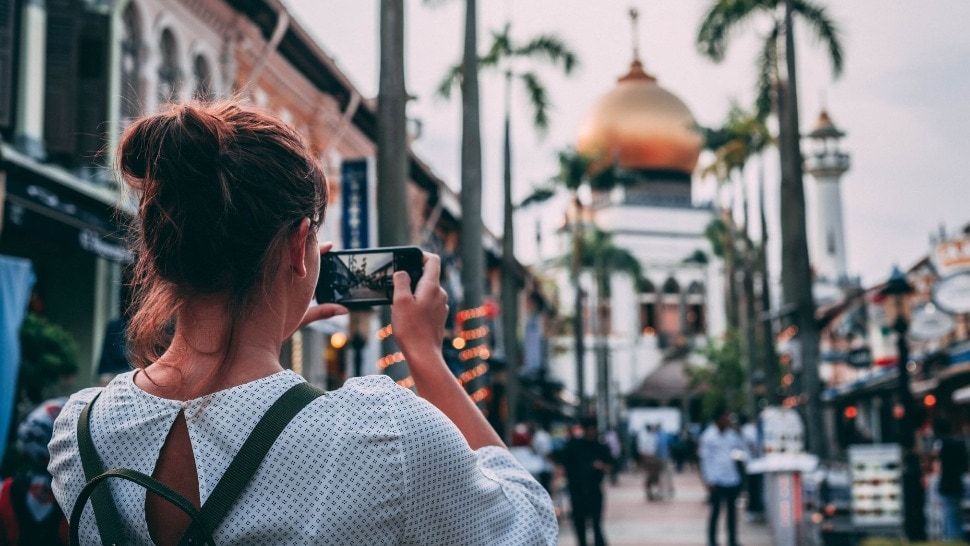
(402,285)
(432,273)
(326,247)
(323,311)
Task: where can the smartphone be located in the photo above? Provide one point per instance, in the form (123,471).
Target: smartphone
(363,278)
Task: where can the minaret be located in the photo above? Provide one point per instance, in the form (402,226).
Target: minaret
(827,163)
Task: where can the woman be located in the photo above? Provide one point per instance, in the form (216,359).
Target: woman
(230,201)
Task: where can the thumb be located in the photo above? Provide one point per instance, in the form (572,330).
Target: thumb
(402,285)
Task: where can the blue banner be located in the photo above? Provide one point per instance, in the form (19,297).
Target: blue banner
(16,281)
(355,204)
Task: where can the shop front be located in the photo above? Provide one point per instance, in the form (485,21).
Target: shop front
(71,233)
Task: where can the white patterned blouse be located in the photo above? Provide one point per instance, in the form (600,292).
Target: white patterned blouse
(370,463)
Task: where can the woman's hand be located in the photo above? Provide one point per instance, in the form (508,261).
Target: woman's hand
(419,318)
(323,310)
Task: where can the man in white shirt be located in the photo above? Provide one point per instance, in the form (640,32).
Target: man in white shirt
(719,470)
(647,444)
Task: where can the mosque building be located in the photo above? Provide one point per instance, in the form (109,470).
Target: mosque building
(653,139)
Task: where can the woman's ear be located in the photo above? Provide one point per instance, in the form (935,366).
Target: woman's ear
(296,248)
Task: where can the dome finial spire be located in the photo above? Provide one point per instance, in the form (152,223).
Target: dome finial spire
(635,30)
(636,67)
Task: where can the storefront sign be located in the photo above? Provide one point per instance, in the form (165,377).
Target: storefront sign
(952,294)
(930,323)
(951,259)
(355,203)
(876,490)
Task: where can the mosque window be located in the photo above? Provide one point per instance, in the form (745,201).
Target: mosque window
(169,72)
(132,58)
(202,73)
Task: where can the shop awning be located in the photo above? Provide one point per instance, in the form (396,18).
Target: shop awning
(48,202)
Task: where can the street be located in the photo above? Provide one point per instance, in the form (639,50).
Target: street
(682,521)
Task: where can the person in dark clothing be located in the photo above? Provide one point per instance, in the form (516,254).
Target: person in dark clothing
(951,455)
(586,460)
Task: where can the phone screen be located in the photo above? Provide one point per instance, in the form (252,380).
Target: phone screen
(364,278)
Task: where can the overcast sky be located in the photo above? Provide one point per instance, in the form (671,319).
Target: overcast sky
(904,99)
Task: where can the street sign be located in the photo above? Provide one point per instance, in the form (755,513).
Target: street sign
(876,488)
(860,357)
(355,203)
(930,323)
(952,294)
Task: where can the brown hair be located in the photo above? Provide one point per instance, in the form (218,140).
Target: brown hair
(218,186)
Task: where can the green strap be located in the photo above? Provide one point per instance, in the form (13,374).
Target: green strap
(254,450)
(105,511)
(223,497)
(148,483)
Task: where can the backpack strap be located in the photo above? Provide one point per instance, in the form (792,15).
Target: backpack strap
(149,483)
(233,482)
(251,454)
(105,512)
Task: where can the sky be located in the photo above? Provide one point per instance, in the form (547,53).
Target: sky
(902,100)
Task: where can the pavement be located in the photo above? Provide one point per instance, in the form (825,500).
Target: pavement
(681,521)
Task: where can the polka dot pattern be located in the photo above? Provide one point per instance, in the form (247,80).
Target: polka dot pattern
(370,463)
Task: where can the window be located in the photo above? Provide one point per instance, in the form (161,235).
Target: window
(132,59)
(202,73)
(169,73)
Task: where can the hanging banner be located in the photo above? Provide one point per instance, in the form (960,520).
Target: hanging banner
(355,203)
(951,259)
(16,280)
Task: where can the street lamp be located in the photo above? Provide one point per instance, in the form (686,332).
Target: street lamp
(914,497)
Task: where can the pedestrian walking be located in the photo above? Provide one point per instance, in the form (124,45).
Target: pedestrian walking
(951,458)
(586,460)
(755,506)
(648,445)
(718,447)
(234,448)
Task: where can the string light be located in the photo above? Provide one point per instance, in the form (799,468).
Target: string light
(388,360)
(475,352)
(851,412)
(385,332)
(481,394)
(407,382)
(468,375)
(338,340)
(458,343)
(475,333)
(469,314)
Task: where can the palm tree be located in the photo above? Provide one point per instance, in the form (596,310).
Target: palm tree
(576,171)
(506,55)
(600,255)
(393,228)
(718,23)
(742,136)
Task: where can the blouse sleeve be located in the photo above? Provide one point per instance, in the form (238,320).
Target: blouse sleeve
(65,462)
(460,496)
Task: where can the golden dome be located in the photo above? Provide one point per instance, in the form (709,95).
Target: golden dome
(641,126)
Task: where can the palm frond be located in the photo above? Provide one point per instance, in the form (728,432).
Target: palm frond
(572,169)
(451,80)
(826,31)
(538,99)
(720,21)
(499,50)
(539,194)
(767,63)
(550,46)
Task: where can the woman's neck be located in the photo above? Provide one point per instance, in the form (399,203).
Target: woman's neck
(204,357)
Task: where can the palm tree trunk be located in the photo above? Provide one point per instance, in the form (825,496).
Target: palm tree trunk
(579,343)
(393,228)
(766,331)
(749,317)
(510,281)
(602,347)
(470,239)
(796,269)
